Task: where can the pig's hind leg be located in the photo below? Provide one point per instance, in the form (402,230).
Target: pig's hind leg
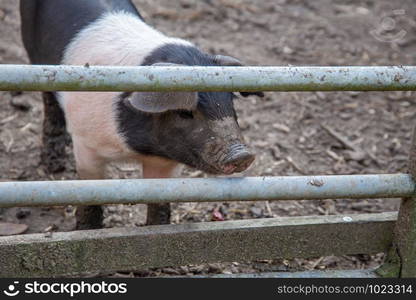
(53,156)
(54,135)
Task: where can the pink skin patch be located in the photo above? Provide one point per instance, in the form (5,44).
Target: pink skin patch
(233,168)
(229,169)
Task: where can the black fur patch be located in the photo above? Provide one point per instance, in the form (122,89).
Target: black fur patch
(136,127)
(48,26)
(179,54)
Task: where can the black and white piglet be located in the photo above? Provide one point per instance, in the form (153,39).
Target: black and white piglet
(159,130)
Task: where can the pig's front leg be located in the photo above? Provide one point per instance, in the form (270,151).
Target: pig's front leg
(54,137)
(159,213)
(89,166)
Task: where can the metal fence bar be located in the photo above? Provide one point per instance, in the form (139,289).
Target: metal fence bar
(137,248)
(106,78)
(97,192)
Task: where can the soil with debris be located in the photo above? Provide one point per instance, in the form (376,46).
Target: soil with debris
(291,133)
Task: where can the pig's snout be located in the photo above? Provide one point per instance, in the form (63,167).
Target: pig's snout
(239,159)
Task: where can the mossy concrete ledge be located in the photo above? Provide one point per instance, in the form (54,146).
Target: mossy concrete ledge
(126,249)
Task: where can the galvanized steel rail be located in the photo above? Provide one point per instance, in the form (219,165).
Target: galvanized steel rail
(38,193)
(201,78)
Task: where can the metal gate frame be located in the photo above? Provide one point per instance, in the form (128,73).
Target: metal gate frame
(116,249)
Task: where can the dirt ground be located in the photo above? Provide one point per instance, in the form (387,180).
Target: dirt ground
(288,131)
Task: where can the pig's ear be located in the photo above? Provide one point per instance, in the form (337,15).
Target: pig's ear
(158,102)
(224,60)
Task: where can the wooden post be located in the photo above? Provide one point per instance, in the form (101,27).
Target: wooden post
(401,259)
(405,233)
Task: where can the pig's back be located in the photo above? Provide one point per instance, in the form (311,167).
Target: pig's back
(116,38)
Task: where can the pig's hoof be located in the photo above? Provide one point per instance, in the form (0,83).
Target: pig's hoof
(53,166)
(89,217)
(158,214)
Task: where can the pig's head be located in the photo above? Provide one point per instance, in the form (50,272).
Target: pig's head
(199,129)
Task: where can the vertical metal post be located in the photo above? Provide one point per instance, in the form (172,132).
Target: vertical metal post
(401,259)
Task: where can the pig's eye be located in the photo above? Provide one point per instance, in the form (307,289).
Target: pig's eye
(185,114)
